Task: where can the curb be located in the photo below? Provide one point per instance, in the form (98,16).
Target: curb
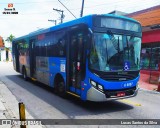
(149,91)
(9,103)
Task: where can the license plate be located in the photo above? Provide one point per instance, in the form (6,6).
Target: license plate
(120,94)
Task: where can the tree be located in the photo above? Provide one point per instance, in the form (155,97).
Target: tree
(10,38)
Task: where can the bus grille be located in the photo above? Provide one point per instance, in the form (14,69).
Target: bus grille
(116,77)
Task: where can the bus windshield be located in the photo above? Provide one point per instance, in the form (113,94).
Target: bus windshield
(113,52)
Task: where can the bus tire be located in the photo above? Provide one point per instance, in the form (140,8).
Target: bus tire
(24,73)
(61,89)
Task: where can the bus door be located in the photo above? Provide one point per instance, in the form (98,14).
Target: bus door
(32,57)
(76,59)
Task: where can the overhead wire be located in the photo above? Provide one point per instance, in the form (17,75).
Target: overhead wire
(104,4)
(32,13)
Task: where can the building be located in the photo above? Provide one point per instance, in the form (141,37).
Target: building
(116,12)
(1,42)
(1,48)
(150,51)
(5,50)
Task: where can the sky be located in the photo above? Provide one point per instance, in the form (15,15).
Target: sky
(34,14)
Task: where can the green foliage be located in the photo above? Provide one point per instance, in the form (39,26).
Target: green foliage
(10,38)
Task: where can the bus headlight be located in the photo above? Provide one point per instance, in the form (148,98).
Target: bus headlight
(93,83)
(100,87)
(96,85)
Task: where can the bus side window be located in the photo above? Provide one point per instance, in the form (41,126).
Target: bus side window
(61,47)
(23,47)
(58,47)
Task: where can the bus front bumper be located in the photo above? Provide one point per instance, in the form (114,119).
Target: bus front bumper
(97,96)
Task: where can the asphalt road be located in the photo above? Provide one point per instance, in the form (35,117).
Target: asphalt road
(42,103)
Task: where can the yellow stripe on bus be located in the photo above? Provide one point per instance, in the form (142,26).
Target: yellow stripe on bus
(34,79)
(73,94)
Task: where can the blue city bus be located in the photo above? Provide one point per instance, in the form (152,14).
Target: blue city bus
(95,58)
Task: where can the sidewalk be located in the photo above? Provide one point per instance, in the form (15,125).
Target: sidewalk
(145,82)
(9,108)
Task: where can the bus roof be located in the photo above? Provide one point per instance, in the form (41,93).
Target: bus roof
(86,19)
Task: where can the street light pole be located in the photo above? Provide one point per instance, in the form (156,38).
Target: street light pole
(53,21)
(82,8)
(62,16)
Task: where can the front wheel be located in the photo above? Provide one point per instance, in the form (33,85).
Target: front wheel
(25,74)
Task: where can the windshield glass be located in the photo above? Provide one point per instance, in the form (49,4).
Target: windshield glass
(111,52)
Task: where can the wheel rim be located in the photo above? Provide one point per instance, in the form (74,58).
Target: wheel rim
(61,87)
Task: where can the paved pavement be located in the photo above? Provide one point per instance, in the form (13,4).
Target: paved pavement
(9,104)
(148,83)
(9,108)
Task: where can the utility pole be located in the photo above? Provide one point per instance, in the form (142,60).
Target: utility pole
(82,8)
(62,15)
(53,21)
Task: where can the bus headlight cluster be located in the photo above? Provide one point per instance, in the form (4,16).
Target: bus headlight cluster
(96,85)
